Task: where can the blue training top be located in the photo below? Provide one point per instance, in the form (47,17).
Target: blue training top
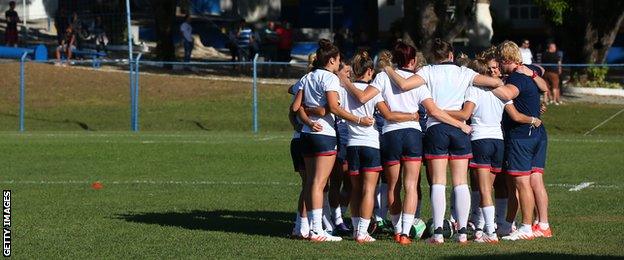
(527,102)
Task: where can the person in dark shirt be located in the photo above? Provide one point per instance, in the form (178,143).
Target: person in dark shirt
(552,73)
(10,35)
(525,145)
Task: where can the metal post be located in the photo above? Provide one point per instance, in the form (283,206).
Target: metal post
(130,64)
(136,92)
(255,94)
(22,92)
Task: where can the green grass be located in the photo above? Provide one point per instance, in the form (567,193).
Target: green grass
(195,183)
(233,195)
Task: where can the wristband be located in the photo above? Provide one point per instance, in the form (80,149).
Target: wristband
(532,120)
(359,119)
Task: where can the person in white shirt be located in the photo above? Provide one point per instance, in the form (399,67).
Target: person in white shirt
(446,144)
(187,37)
(402,142)
(321,89)
(525,51)
(363,147)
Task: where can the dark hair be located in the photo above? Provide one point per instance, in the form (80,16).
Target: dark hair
(440,49)
(12,3)
(403,53)
(325,51)
(361,63)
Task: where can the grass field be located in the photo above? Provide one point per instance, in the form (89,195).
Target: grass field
(179,191)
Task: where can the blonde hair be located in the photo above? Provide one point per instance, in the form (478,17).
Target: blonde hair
(479,65)
(384,60)
(311,60)
(509,51)
(421,61)
(361,63)
(462,60)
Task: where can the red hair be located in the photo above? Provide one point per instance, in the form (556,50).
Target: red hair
(403,53)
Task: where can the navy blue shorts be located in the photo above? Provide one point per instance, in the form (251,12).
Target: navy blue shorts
(342,135)
(296,154)
(363,159)
(447,142)
(525,156)
(314,145)
(488,154)
(401,145)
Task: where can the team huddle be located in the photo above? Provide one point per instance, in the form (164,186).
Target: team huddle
(362,133)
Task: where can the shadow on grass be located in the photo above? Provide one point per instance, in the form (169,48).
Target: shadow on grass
(265,223)
(82,125)
(528,255)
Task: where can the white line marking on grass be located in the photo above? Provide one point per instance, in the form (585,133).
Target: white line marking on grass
(581,186)
(604,122)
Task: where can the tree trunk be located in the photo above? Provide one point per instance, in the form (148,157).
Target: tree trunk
(425,20)
(165,14)
(598,22)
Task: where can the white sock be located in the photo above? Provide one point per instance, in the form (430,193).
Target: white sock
(363,227)
(305,226)
(355,221)
(526,228)
(475,210)
(500,205)
(418,208)
(438,203)
(316,220)
(453,217)
(408,221)
(488,215)
(397,223)
(462,204)
(337,216)
(544,225)
(480,219)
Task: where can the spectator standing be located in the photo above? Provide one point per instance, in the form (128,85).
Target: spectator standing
(244,40)
(232,43)
(187,37)
(525,51)
(10,35)
(285,44)
(78,30)
(270,39)
(552,73)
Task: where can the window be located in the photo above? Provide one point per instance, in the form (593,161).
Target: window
(523,10)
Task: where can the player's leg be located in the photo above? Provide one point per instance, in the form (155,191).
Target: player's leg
(370,166)
(461,151)
(542,229)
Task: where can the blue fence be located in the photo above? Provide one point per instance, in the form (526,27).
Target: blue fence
(135,84)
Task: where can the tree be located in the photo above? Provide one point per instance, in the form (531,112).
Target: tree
(164,12)
(586,29)
(425,20)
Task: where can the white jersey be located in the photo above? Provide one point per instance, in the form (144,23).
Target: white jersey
(399,100)
(527,56)
(315,87)
(294,89)
(487,114)
(362,135)
(447,83)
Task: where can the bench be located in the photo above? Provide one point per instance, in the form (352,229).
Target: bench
(95,56)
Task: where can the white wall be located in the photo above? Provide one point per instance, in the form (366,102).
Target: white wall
(35,9)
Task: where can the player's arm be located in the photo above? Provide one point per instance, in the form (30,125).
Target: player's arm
(539,81)
(361,95)
(296,104)
(521,118)
(507,92)
(486,81)
(334,108)
(412,82)
(464,113)
(316,111)
(434,111)
(315,126)
(395,116)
